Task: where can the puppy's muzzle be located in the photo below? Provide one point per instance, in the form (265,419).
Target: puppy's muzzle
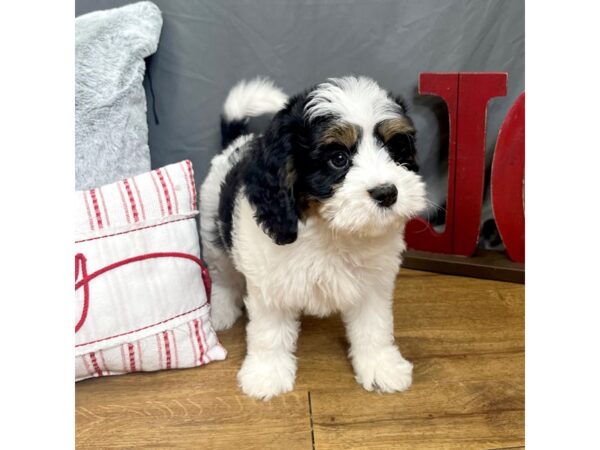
(385,195)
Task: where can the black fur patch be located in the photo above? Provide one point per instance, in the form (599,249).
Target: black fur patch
(266,172)
(231,130)
(401,146)
(270,178)
(229,189)
(317,179)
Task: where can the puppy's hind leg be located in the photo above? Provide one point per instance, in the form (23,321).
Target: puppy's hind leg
(228,287)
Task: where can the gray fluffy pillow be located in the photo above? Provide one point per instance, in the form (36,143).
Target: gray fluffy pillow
(111,132)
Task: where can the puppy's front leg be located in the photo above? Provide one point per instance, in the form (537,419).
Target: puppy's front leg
(270,365)
(377,361)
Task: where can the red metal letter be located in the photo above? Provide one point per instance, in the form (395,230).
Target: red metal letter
(467,96)
(507,181)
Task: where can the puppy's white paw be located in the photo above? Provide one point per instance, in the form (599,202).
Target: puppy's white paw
(224,308)
(263,377)
(384,370)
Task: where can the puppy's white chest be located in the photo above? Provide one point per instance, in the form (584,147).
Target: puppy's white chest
(319,273)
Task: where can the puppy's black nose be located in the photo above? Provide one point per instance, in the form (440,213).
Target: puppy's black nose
(384,195)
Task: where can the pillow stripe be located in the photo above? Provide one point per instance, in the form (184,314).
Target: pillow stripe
(137,190)
(188,164)
(160,202)
(165,191)
(104,207)
(173,190)
(140,355)
(96,208)
(134,211)
(187,184)
(87,208)
(124,204)
(175,348)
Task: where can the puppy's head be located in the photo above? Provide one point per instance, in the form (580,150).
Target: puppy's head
(344,151)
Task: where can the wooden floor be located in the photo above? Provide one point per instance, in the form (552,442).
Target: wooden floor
(464,336)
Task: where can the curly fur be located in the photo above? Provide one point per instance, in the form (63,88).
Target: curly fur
(291,224)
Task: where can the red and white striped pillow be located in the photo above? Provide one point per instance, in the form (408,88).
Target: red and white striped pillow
(141,291)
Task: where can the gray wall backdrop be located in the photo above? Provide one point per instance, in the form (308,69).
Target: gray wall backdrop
(208,45)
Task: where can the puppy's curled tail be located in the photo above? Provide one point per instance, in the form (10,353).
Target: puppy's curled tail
(248,99)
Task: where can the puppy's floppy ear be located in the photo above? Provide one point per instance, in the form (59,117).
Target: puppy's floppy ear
(271,178)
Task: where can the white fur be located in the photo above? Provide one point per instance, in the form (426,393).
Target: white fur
(253,98)
(357,100)
(345,259)
(227,284)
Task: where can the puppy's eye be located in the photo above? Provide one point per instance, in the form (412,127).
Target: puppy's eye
(339,160)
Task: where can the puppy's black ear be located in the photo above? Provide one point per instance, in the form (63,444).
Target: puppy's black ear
(404,144)
(271,178)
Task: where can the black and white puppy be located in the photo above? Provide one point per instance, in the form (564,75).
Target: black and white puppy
(309,218)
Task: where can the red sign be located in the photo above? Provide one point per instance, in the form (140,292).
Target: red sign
(467,96)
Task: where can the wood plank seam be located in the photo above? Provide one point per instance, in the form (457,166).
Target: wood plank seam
(507,448)
(417,417)
(312,428)
(462,355)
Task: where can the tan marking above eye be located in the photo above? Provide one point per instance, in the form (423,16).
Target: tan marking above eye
(340,133)
(388,128)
